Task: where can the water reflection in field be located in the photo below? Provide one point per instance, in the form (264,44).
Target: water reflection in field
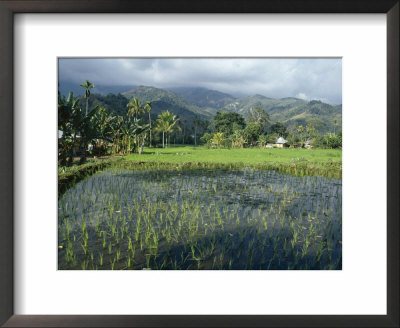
(201,219)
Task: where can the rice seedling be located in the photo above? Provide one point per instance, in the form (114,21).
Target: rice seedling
(158,217)
(101,259)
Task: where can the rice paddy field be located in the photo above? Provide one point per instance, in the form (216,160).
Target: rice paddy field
(201,217)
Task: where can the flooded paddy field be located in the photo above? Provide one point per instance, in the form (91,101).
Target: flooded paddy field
(243,219)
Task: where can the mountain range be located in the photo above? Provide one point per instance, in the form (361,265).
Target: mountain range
(189,103)
(204,98)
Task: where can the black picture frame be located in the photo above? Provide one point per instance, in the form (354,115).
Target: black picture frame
(10,7)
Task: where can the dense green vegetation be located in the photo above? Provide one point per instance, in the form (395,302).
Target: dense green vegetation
(97,132)
(187,103)
(209,100)
(231,130)
(115,104)
(292,111)
(163,99)
(296,120)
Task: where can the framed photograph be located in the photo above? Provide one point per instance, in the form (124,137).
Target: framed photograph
(209,164)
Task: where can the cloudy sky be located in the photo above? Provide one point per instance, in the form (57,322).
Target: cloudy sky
(308,79)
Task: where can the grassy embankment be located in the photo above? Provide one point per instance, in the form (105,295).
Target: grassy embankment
(299,162)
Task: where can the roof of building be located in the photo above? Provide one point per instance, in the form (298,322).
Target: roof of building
(280,140)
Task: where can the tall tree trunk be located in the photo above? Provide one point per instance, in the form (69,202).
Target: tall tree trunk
(150,129)
(72,152)
(82,149)
(87,105)
(142,145)
(163,140)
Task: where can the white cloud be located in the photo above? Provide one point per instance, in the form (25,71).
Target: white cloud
(302,96)
(273,77)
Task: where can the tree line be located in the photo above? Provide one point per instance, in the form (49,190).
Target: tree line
(230,129)
(99,132)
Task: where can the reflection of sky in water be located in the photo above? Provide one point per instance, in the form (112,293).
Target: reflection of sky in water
(246,187)
(242,197)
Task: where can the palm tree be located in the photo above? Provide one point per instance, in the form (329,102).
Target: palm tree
(66,109)
(87,130)
(162,126)
(196,123)
(125,136)
(184,128)
(140,132)
(237,138)
(104,121)
(147,107)
(134,107)
(83,129)
(218,138)
(87,85)
(78,128)
(166,123)
(300,131)
(115,133)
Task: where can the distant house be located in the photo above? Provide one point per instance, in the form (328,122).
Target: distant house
(279,143)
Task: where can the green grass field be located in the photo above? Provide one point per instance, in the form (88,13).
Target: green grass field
(246,155)
(299,162)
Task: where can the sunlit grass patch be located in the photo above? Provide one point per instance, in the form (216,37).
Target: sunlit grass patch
(245,155)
